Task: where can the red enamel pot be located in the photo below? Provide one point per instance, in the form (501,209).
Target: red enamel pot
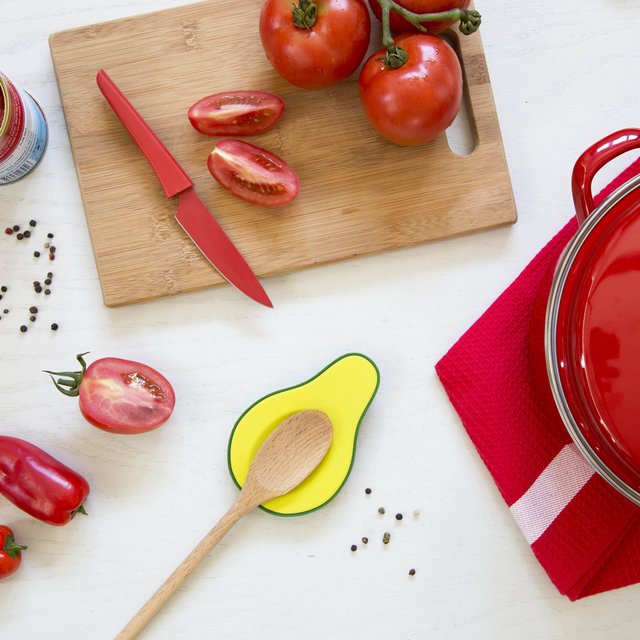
(592,325)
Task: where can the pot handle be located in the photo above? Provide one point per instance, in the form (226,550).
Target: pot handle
(592,160)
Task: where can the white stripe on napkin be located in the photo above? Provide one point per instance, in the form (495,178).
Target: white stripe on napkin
(551,492)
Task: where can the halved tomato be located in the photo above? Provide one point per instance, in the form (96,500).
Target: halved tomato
(236,113)
(253,173)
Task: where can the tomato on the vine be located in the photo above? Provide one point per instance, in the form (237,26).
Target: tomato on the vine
(315,43)
(399,24)
(253,173)
(121,396)
(417,101)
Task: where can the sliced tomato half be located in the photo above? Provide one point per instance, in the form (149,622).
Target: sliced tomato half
(236,113)
(253,174)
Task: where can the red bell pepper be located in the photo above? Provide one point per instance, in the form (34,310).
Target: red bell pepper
(10,552)
(38,483)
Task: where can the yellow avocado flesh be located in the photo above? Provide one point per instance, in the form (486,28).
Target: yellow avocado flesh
(343,390)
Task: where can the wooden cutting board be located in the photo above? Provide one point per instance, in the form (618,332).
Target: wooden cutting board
(359,193)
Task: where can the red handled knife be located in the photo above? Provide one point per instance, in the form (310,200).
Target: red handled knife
(192,214)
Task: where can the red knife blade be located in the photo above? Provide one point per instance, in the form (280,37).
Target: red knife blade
(192,214)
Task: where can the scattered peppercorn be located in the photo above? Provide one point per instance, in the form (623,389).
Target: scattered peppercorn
(36,254)
(49,235)
(381,511)
(8,231)
(353,547)
(0,296)
(20,236)
(54,326)
(52,249)
(386,537)
(32,223)
(27,234)
(32,318)
(398,516)
(16,227)
(23,328)
(38,289)
(3,288)
(412,572)
(365,540)
(367,491)
(33,309)
(5,311)
(47,281)
(49,275)
(47,292)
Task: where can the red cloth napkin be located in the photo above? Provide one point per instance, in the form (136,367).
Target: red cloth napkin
(585,534)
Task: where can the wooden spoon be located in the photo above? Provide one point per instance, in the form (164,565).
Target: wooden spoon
(290,453)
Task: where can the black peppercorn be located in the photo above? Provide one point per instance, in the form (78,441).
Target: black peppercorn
(398,516)
(367,491)
(38,289)
(33,309)
(5,311)
(32,223)
(47,281)
(412,572)
(365,540)
(54,326)
(353,547)
(16,227)
(36,254)
(49,275)
(3,288)
(27,234)
(20,236)
(23,328)
(52,249)
(49,235)
(32,318)
(47,292)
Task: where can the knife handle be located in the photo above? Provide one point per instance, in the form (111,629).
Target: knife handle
(171,175)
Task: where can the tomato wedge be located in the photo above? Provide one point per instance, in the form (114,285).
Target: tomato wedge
(236,113)
(253,174)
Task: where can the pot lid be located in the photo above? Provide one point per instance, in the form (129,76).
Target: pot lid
(593,338)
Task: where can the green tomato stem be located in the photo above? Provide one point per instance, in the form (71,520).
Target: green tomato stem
(396,56)
(12,548)
(304,14)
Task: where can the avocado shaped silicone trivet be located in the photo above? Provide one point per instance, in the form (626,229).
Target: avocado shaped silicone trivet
(343,390)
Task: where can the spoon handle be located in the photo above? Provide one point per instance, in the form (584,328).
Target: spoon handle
(240,508)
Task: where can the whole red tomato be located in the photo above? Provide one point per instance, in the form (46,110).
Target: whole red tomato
(414,103)
(10,552)
(399,24)
(315,44)
(119,395)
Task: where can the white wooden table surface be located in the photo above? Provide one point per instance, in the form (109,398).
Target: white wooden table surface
(564,74)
